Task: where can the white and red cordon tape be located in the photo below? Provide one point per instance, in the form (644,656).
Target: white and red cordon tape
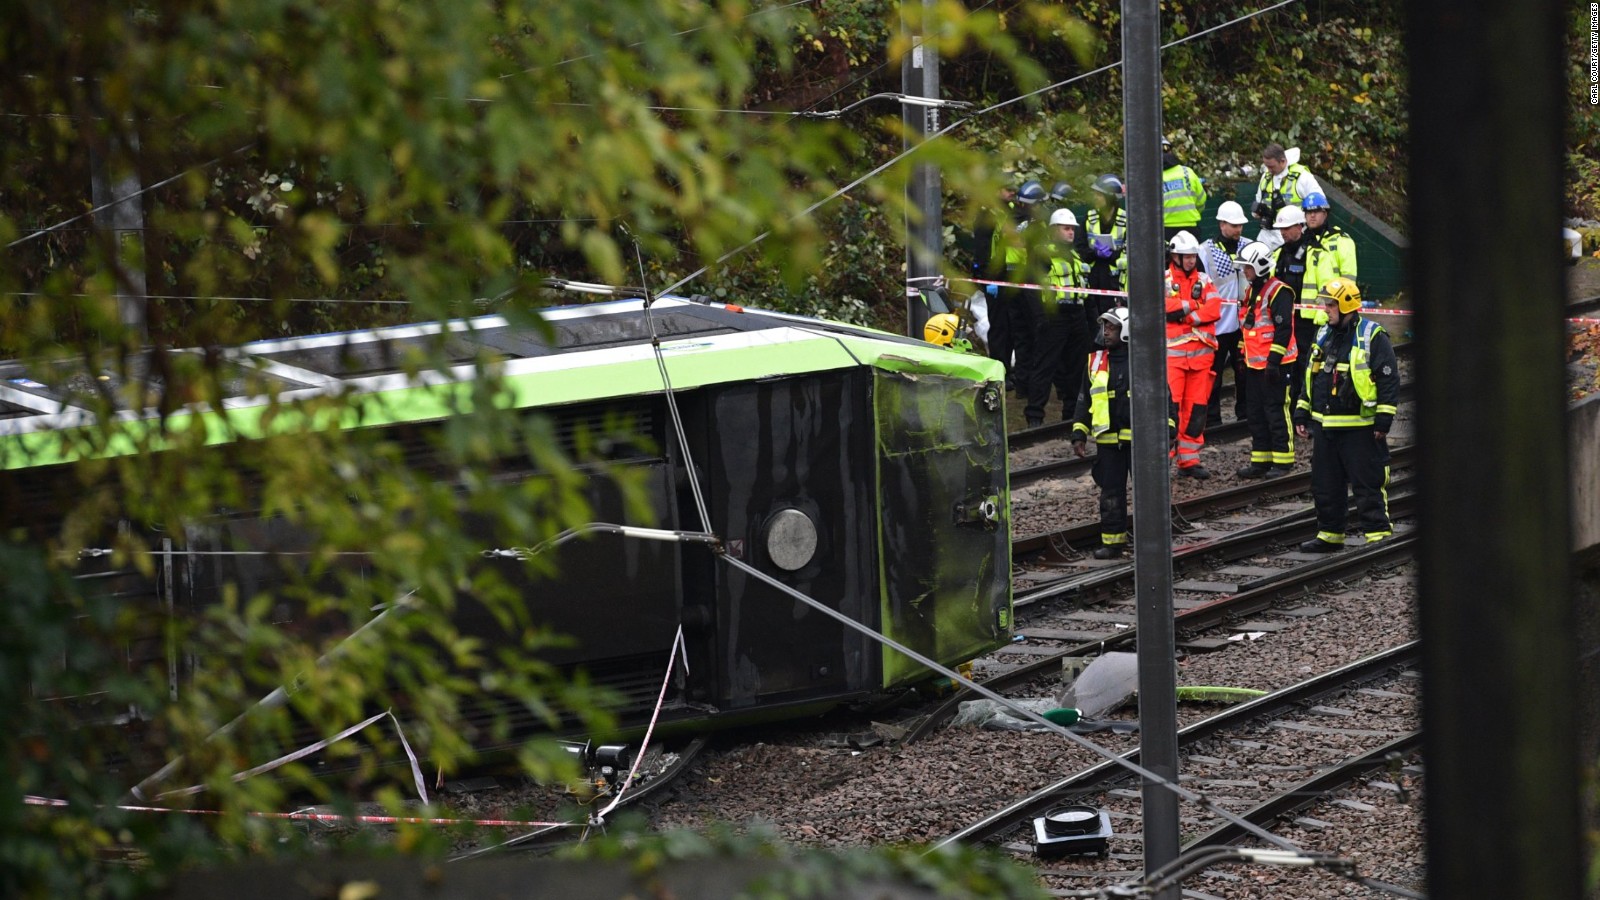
(597,818)
(1371,311)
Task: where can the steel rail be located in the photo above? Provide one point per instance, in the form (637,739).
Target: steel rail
(1074,785)
(1261,595)
(1309,792)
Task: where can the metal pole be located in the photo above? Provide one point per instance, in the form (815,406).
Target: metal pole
(1500,657)
(1152,512)
(919,75)
(116,180)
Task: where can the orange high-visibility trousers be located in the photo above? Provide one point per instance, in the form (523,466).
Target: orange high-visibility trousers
(1189,376)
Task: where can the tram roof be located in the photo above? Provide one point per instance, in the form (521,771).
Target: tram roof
(584,353)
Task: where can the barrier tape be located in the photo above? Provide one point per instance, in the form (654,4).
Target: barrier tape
(324,817)
(1368,310)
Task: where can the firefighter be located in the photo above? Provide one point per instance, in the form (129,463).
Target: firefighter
(1183,194)
(1348,407)
(1062,343)
(1192,307)
(1267,320)
(1105,412)
(1103,242)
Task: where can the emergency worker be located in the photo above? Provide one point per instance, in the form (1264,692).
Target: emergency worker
(1063,340)
(1105,413)
(1351,391)
(1192,307)
(1267,323)
(1330,254)
(1103,243)
(1010,337)
(1285,182)
(1219,259)
(1183,194)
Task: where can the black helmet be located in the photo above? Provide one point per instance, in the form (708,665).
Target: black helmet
(1060,191)
(1110,185)
(1031,192)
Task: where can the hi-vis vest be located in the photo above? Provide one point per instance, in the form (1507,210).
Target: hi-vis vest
(1288,192)
(1119,227)
(1257,343)
(1180,334)
(1100,401)
(1359,371)
(1066,271)
(1181,197)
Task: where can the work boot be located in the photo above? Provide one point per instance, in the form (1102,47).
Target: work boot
(1254,470)
(1198,473)
(1318,545)
(1108,551)
(1035,421)
(1279,471)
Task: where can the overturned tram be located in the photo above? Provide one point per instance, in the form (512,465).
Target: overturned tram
(862,469)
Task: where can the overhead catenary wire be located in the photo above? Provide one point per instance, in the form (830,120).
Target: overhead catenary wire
(947,130)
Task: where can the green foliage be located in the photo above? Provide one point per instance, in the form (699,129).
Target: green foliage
(439,158)
(806,873)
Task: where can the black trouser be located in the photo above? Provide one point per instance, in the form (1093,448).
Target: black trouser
(1305,331)
(1111,467)
(1012,322)
(1061,353)
(1228,357)
(1353,457)
(1267,411)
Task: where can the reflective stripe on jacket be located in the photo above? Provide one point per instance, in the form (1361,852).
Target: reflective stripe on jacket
(1267,334)
(1182,197)
(1355,370)
(1194,295)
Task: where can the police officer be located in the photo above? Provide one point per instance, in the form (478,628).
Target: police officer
(1284,182)
(1010,333)
(1063,340)
(1352,387)
(1103,244)
(1105,412)
(1219,258)
(1267,323)
(1183,194)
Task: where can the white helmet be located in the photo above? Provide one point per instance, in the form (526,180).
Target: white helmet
(1184,243)
(1289,215)
(1231,212)
(1117,315)
(1063,217)
(1257,256)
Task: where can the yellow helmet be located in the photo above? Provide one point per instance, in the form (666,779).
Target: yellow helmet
(1342,290)
(941,329)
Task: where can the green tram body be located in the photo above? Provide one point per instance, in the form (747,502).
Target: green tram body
(885,453)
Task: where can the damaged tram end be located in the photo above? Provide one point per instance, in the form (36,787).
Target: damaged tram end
(863,470)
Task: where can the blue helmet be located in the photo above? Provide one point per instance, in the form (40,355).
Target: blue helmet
(1031,192)
(1060,191)
(1315,200)
(1110,185)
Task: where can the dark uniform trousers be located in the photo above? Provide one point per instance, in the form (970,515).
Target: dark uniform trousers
(1012,325)
(1305,333)
(1061,354)
(1111,467)
(1267,411)
(1228,356)
(1350,455)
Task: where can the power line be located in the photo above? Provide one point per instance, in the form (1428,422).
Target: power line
(945,131)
